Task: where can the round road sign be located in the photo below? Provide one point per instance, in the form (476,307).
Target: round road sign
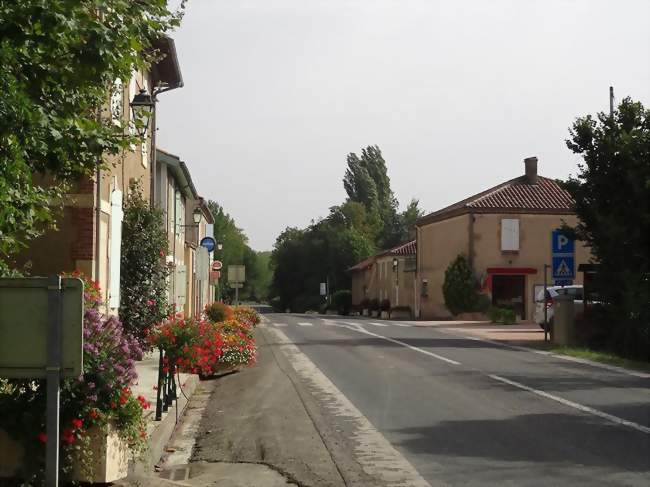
(217,265)
(208,243)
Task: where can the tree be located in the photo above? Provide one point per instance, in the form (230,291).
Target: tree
(59,61)
(612,201)
(236,251)
(143,274)
(459,287)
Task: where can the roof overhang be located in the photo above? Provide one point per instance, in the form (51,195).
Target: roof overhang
(166,72)
(180,172)
(428,219)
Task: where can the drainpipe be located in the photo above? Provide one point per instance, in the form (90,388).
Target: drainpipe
(470,251)
(98,214)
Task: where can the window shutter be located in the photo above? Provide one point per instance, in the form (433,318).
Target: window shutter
(509,234)
(116,249)
(181,284)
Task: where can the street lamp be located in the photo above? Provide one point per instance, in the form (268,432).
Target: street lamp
(219,246)
(196,215)
(142,107)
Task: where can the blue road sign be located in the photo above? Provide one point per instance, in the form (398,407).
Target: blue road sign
(561,244)
(563,267)
(208,243)
(563,282)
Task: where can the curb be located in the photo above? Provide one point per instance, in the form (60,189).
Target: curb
(163,430)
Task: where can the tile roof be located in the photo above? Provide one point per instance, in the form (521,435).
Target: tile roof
(408,248)
(515,196)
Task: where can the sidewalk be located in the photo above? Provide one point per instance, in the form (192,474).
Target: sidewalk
(520,334)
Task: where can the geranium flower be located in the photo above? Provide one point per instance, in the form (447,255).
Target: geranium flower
(42,437)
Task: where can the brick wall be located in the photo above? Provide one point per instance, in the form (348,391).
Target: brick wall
(84,246)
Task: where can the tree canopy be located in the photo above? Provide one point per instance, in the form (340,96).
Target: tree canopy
(612,201)
(236,251)
(367,221)
(59,61)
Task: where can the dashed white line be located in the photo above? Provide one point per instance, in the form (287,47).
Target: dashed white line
(575,405)
(280,324)
(305,323)
(377,324)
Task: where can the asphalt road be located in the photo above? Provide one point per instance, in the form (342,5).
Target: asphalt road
(466,412)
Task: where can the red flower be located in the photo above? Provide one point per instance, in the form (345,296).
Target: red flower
(68,436)
(42,437)
(93,414)
(113,405)
(77,424)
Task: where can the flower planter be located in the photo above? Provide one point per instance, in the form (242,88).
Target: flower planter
(110,457)
(109,461)
(331,312)
(374,313)
(365,312)
(385,315)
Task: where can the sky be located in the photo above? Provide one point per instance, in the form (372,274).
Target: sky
(455,93)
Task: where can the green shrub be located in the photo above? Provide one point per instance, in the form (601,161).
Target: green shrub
(483,303)
(276,304)
(143,286)
(374,304)
(342,299)
(384,305)
(459,288)
(218,312)
(502,315)
(365,303)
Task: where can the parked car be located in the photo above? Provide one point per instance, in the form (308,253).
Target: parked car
(548,299)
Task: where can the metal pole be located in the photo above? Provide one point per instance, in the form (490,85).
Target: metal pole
(159,401)
(546,266)
(53,377)
(237,294)
(611,101)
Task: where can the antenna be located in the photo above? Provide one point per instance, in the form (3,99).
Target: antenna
(611,101)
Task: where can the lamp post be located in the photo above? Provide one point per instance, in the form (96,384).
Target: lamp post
(546,267)
(142,107)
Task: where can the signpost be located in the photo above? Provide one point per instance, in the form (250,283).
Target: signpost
(562,258)
(208,243)
(46,341)
(236,278)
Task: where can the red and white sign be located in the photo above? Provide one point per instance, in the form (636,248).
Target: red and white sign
(215,275)
(217,265)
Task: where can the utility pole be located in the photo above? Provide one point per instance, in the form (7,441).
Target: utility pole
(611,101)
(546,267)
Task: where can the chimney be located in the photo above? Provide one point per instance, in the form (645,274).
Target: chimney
(531,170)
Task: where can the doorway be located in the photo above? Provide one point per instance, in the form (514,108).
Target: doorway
(509,291)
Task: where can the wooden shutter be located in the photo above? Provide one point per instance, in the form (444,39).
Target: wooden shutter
(510,234)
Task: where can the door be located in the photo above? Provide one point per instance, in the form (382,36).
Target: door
(509,291)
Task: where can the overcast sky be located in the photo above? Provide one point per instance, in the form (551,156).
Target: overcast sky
(455,93)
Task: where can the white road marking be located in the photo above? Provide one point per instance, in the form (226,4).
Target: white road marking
(575,405)
(568,358)
(377,324)
(374,453)
(357,327)
(280,324)
(403,325)
(305,323)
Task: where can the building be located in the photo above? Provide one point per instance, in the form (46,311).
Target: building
(388,275)
(505,233)
(187,220)
(89,218)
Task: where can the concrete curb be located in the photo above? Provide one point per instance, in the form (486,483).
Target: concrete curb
(162,430)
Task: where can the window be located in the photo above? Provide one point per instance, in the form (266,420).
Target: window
(509,235)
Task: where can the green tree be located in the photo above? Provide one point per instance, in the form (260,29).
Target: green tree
(612,200)
(459,287)
(143,274)
(59,61)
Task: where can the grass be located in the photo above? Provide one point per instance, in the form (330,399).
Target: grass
(602,357)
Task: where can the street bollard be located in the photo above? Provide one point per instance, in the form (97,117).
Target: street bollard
(563,320)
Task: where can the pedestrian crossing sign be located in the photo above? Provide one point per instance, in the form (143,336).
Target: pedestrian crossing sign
(563,267)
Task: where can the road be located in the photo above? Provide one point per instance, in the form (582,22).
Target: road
(438,409)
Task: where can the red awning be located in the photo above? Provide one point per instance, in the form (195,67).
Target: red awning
(511,270)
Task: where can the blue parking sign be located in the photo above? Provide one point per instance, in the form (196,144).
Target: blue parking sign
(561,243)
(563,267)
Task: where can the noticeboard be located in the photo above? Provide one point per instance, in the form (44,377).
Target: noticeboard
(24,322)
(236,273)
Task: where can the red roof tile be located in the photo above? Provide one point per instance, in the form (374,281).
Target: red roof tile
(514,196)
(408,248)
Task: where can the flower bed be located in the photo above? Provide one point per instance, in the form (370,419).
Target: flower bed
(205,347)
(98,400)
